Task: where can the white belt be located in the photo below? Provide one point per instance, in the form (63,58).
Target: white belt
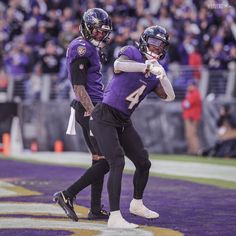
(71,124)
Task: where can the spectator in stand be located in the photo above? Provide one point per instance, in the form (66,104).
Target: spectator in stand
(43,8)
(58,4)
(28,31)
(34,84)
(173,53)
(164,18)
(36,15)
(192,112)
(3,33)
(218,57)
(217,62)
(41,36)
(53,24)
(67,15)
(185,48)
(16,63)
(225,145)
(51,58)
(50,61)
(193,24)
(13,24)
(67,34)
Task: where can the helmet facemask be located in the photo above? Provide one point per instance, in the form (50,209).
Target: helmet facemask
(155,48)
(100,37)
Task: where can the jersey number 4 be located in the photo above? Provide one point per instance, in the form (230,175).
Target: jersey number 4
(133,98)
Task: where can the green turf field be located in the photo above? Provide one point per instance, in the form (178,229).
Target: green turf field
(185,158)
(203,160)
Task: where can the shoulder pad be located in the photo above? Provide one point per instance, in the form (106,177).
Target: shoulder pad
(131,52)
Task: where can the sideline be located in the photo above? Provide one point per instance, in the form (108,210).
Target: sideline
(166,167)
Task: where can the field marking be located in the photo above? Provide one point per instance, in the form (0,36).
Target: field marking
(46,210)
(76,227)
(21,223)
(30,208)
(175,168)
(11,190)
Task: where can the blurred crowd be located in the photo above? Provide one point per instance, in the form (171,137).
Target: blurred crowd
(34,35)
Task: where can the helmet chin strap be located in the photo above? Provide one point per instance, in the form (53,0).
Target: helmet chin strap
(151,55)
(98,44)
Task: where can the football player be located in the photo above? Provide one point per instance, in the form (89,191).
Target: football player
(136,74)
(84,70)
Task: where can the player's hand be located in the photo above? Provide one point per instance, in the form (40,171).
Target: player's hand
(158,70)
(149,64)
(86,113)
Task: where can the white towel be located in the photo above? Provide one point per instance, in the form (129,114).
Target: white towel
(71,125)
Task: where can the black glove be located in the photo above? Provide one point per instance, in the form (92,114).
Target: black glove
(103,56)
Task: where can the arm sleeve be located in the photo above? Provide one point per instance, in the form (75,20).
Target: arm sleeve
(78,71)
(124,64)
(129,60)
(160,73)
(167,88)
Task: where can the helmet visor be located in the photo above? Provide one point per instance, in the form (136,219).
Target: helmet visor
(157,42)
(156,47)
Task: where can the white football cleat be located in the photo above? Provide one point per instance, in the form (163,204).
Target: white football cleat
(137,208)
(116,221)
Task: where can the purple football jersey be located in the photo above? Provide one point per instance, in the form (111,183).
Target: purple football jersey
(126,90)
(80,48)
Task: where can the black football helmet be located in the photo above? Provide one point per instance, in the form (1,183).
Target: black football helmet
(96,26)
(156,36)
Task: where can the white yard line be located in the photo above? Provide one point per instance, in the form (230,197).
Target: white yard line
(189,169)
(31,208)
(22,223)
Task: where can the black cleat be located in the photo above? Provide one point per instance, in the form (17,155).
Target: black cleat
(100,215)
(66,204)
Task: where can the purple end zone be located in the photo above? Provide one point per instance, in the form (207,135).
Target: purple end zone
(10,232)
(193,209)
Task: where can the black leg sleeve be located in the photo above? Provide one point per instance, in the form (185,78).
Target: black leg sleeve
(96,190)
(95,172)
(108,142)
(94,175)
(134,150)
